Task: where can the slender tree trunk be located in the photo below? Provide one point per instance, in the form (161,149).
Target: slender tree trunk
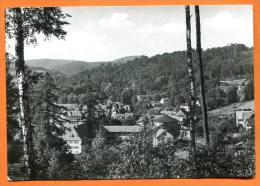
(192,82)
(20,68)
(202,88)
(89,120)
(33,174)
(89,111)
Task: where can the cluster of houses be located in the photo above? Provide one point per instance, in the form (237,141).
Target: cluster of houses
(153,101)
(243,112)
(120,111)
(239,84)
(226,84)
(166,123)
(73,115)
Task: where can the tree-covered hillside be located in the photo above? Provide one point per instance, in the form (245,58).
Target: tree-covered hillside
(164,73)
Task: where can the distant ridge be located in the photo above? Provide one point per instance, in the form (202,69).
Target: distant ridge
(125,59)
(72,67)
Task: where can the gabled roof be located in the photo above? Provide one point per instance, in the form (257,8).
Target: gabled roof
(232,108)
(180,113)
(248,115)
(165,119)
(68,106)
(74,113)
(172,128)
(163,131)
(251,120)
(123,128)
(236,82)
(168,129)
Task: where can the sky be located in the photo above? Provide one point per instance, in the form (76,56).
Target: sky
(108,33)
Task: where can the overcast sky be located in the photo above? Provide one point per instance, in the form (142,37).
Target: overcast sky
(107,33)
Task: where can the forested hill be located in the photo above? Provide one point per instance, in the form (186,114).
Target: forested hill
(68,67)
(163,73)
(71,67)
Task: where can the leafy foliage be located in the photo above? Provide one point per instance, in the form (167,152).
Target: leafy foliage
(48,21)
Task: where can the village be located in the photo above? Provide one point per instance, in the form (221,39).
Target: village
(166,122)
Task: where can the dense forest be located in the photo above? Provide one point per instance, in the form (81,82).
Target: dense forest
(165,73)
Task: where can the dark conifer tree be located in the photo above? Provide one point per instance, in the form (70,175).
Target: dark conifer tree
(51,152)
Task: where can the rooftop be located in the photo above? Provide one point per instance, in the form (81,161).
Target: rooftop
(74,113)
(236,82)
(165,119)
(71,134)
(230,109)
(123,128)
(248,115)
(68,105)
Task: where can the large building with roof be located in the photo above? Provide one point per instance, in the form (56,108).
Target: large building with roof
(120,132)
(167,128)
(162,119)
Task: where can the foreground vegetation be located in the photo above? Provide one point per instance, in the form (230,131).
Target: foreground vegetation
(138,159)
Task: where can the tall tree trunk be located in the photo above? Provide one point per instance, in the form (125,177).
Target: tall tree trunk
(20,68)
(202,88)
(89,111)
(192,81)
(32,174)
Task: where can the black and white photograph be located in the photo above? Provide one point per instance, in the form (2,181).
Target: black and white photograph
(130,92)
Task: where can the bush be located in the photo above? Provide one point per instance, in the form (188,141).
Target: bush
(137,158)
(232,96)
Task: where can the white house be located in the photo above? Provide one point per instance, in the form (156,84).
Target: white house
(73,140)
(170,132)
(167,128)
(161,136)
(184,133)
(242,116)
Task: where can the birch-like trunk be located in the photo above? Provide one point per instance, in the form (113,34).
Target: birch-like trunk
(191,81)
(20,68)
(202,88)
